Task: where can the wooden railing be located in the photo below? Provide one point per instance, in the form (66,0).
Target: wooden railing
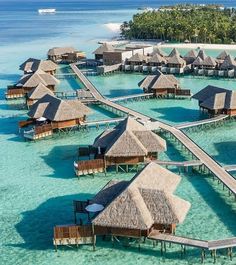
(91,164)
(179,92)
(11,90)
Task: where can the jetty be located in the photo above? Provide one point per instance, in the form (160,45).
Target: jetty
(208,163)
(213,120)
(102,122)
(133,97)
(203,245)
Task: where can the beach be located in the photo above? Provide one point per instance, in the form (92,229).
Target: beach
(198,45)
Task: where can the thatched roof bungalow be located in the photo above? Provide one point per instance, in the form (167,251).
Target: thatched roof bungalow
(59,113)
(174,52)
(156,50)
(228,63)
(36,93)
(198,62)
(175,61)
(137,59)
(157,60)
(202,54)
(129,143)
(32,65)
(159,84)
(216,100)
(134,208)
(209,63)
(30,81)
(105,47)
(65,54)
(190,56)
(221,57)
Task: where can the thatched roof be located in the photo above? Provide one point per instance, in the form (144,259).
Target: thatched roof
(198,61)
(129,138)
(157,58)
(175,59)
(57,51)
(222,56)
(191,54)
(39,91)
(32,80)
(159,81)
(214,98)
(55,109)
(105,47)
(174,52)
(158,51)
(202,54)
(137,57)
(209,61)
(228,62)
(32,65)
(143,201)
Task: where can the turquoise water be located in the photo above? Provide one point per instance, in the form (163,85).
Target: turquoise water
(37,182)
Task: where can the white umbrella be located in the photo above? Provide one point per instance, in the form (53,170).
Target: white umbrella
(41,119)
(93,208)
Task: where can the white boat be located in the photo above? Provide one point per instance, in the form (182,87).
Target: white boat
(47,11)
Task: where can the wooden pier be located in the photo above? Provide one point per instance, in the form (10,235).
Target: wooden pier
(133,97)
(209,164)
(102,122)
(203,245)
(202,122)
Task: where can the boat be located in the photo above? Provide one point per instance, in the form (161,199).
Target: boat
(47,11)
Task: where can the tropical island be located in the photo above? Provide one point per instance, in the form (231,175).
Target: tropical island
(181,23)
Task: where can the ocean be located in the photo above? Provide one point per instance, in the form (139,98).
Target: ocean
(37,182)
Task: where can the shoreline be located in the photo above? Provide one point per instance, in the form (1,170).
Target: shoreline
(198,45)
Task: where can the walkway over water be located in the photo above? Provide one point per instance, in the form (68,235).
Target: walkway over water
(201,122)
(191,163)
(213,167)
(103,122)
(185,241)
(135,96)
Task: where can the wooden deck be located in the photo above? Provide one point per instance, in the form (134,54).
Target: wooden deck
(215,168)
(103,122)
(201,122)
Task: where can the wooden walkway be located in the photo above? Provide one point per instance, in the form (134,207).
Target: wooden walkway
(213,167)
(192,163)
(201,122)
(135,96)
(103,122)
(185,241)
(230,168)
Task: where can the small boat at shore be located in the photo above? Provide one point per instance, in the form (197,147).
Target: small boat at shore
(47,11)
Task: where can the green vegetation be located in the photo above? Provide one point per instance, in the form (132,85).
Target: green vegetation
(195,24)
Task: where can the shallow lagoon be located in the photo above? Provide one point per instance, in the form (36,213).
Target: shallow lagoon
(37,180)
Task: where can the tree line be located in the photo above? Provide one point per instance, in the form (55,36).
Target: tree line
(205,25)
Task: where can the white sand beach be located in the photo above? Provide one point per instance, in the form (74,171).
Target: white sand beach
(198,45)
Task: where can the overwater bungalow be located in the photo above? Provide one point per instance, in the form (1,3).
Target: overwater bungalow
(175,64)
(156,50)
(221,57)
(202,54)
(190,56)
(105,47)
(129,143)
(137,59)
(157,60)
(174,52)
(228,63)
(162,85)
(216,100)
(29,81)
(51,114)
(65,55)
(135,208)
(37,93)
(32,65)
